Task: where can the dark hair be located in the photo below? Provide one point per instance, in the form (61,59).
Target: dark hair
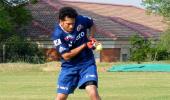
(67,12)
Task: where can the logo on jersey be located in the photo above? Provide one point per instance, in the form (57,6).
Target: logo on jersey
(70,44)
(61,49)
(68,38)
(80,35)
(57,42)
(79,27)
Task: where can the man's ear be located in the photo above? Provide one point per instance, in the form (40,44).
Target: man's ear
(61,22)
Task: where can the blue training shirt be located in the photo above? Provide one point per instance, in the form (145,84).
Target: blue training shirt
(65,42)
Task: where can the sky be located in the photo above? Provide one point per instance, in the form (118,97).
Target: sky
(136,3)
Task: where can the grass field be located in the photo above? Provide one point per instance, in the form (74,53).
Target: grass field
(21,81)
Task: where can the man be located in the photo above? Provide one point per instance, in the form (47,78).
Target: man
(78,63)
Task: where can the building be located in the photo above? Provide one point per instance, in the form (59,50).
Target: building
(115,25)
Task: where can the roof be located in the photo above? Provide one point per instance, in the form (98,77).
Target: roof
(44,19)
(130,13)
(112,21)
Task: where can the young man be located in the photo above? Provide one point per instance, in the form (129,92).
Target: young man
(78,63)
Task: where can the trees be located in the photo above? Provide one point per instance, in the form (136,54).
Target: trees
(146,50)
(13,16)
(12,19)
(140,48)
(161,7)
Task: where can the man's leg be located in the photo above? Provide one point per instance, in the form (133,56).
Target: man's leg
(61,96)
(92,92)
(89,81)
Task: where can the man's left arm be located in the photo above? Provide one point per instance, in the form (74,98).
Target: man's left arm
(89,24)
(92,30)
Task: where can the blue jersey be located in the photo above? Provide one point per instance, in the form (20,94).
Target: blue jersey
(65,42)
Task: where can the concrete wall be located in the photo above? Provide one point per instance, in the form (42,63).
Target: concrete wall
(117,50)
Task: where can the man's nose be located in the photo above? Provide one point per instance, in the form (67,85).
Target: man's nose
(71,26)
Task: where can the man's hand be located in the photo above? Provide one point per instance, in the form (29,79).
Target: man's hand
(91,43)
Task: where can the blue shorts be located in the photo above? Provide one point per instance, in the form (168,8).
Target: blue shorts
(71,78)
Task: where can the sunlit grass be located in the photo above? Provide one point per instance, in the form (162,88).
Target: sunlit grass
(22,81)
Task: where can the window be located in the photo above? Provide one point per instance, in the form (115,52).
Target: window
(124,57)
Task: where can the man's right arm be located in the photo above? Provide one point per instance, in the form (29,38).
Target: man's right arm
(63,48)
(70,54)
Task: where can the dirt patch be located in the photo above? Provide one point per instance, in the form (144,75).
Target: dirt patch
(103,69)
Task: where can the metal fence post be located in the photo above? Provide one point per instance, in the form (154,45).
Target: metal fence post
(4,52)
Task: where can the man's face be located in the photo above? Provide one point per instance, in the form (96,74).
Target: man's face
(67,24)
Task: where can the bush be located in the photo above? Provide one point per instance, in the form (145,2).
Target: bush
(18,49)
(140,48)
(34,1)
(160,54)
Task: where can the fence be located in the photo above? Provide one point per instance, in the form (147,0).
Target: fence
(19,54)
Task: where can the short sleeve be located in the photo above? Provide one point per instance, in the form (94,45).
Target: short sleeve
(88,21)
(60,45)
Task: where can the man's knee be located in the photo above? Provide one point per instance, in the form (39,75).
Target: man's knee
(93,92)
(61,96)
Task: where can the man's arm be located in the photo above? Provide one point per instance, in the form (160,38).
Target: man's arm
(70,54)
(92,31)
(73,52)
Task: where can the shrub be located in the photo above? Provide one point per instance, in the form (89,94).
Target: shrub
(19,49)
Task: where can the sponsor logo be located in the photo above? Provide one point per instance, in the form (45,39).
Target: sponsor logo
(61,49)
(87,76)
(79,27)
(62,87)
(57,42)
(80,35)
(69,38)
(70,45)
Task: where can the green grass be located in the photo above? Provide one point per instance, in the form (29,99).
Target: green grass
(20,81)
